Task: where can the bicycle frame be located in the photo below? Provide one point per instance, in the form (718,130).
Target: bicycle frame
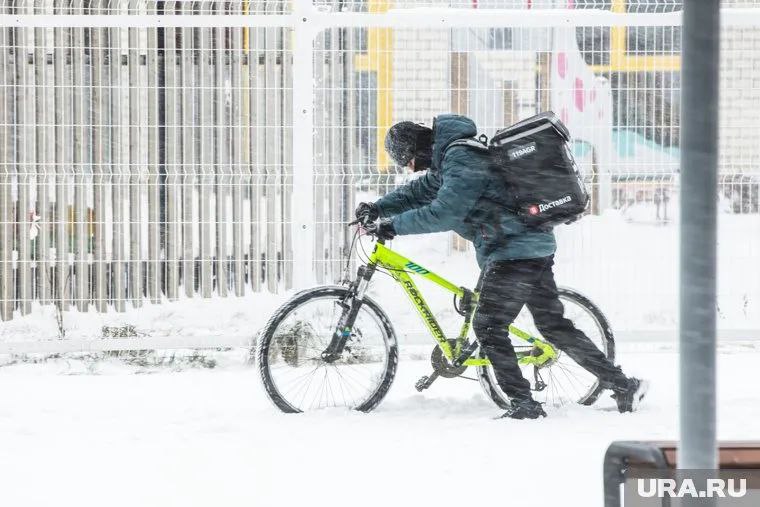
(401,268)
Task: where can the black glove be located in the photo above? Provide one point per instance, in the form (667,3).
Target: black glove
(367,212)
(382,229)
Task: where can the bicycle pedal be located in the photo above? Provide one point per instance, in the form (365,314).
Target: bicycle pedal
(425,382)
(422,384)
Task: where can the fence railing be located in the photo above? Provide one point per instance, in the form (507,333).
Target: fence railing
(144,162)
(170,150)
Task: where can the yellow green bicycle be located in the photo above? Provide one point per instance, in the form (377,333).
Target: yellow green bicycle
(334,346)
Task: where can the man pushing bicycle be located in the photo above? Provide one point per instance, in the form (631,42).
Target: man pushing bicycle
(460,193)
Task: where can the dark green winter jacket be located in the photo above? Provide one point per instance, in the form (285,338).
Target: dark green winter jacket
(461,193)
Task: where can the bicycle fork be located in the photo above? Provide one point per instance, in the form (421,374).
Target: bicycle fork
(351,306)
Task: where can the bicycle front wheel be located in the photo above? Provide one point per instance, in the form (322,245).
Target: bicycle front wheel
(562,380)
(289,354)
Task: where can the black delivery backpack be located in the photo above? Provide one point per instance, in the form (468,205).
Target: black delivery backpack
(534,157)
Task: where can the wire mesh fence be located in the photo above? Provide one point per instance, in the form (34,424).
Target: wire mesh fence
(142,163)
(150,164)
(149,7)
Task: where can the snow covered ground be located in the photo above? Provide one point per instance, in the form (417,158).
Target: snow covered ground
(210,437)
(89,434)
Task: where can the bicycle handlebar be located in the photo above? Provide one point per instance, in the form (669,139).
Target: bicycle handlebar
(361,222)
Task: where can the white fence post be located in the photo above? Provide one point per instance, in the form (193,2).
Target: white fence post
(303,147)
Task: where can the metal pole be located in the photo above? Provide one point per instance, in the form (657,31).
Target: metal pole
(237,174)
(208,167)
(7,305)
(82,187)
(189,88)
(221,158)
(133,177)
(173,178)
(154,170)
(303,150)
(699,163)
(97,119)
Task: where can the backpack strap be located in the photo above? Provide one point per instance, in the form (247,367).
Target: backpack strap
(470,141)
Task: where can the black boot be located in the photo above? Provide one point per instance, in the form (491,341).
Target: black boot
(524,409)
(629,397)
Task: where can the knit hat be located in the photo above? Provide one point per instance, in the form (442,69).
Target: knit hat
(407,140)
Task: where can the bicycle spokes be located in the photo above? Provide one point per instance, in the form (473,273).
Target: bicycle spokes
(298,357)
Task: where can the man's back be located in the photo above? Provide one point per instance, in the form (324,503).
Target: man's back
(462,193)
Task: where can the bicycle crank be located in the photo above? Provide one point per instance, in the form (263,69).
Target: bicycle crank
(539,384)
(442,365)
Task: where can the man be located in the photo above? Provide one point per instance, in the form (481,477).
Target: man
(460,193)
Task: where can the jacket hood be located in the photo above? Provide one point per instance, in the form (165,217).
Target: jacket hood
(448,128)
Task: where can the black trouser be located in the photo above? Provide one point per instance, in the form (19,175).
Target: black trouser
(505,286)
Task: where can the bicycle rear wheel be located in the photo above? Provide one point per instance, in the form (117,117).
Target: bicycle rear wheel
(565,381)
(289,354)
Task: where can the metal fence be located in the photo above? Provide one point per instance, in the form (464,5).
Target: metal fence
(143,162)
(221,151)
